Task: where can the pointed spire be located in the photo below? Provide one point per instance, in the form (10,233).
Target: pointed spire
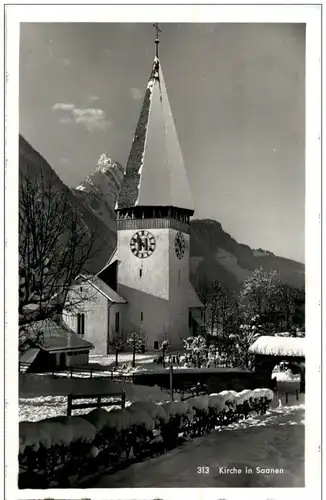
(155,174)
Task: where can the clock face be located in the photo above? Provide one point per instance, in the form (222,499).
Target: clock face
(142,244)
(179,245)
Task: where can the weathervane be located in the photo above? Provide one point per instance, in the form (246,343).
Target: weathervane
(157,41)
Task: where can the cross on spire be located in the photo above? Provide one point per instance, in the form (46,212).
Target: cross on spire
(157,41)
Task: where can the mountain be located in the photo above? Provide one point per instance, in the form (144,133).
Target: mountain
(214,254)
(33,165)
(99,191)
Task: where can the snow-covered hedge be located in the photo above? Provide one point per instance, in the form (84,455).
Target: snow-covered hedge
(76,446)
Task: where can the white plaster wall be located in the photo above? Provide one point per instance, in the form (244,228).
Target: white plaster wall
(113,309)
(78,359)
(156,318)
(155,276)
(160,293)
(95,308)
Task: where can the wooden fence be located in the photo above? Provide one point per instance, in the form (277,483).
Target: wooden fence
(118,399)
(107,374)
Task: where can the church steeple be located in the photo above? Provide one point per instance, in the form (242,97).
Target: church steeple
(155,174)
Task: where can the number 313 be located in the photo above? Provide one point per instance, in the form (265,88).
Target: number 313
(203,470)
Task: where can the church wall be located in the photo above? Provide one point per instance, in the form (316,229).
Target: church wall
(157,318)
(95,308)
(96,324)
(149,275)
(155,286)
(179,283)
(113,310)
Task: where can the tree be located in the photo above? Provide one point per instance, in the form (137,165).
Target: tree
(293,306)
(204,294)
(223,309)
(55,247)
(214,296)
(137,342)
(118,343)
(261,297)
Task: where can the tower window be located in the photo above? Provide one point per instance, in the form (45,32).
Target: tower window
(117,322)
(142,316)
(155,344)
(81,324)
(140,273)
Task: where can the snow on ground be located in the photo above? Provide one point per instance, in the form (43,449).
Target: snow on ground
(45,396)
(273,441)
(286,376)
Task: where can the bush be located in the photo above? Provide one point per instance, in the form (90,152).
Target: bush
(62,447)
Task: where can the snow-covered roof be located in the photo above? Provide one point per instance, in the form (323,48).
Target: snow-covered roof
(279,346)
(113,257)
(27,357)
(57,336)
(155,174)
(104,289)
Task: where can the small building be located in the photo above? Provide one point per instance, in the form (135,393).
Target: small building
(98,318)
(52,345)
(269,351)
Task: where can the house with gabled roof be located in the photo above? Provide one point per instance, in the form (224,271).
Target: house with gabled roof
(50,345)
(97,318)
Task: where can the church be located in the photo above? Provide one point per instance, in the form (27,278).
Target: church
(145,284)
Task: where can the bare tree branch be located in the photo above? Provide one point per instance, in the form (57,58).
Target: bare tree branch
(55,246)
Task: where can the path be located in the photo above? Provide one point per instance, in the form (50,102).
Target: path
(273,441)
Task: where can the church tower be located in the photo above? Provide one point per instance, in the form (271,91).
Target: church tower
(153,209)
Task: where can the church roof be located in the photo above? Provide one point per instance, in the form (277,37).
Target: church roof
(107,291)
(103,288)
(155,174)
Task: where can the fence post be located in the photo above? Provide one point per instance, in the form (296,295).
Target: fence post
(123,399)
(171,383)
(69,405)
(98,401)
(297,395)
(71,372)
(91,372)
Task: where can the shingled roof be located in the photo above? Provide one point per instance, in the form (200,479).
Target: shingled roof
(155,174)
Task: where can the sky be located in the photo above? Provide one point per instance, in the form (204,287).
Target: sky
(237,94)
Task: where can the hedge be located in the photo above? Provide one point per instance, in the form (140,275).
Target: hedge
(63,451)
